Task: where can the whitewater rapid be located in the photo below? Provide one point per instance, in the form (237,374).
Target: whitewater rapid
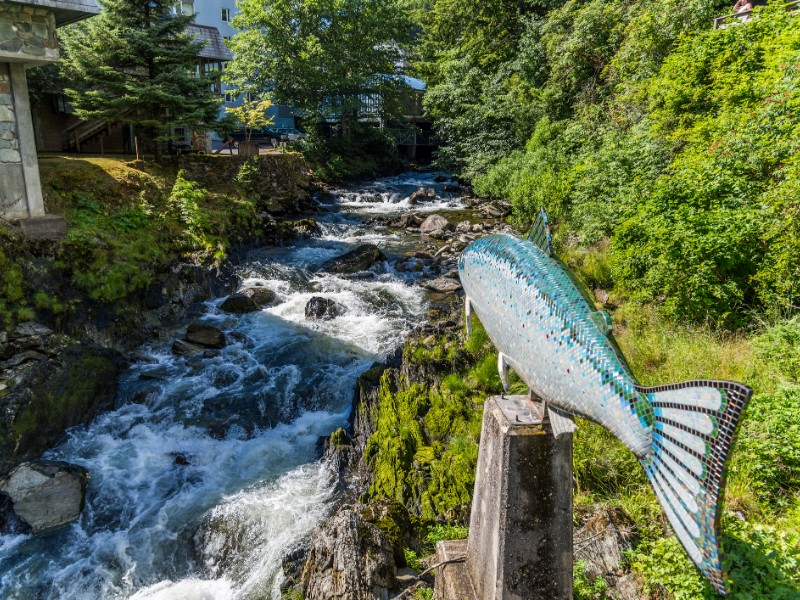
(205,475)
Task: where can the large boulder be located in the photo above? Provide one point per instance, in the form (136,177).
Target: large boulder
(239,304)
(322,308)
(259,294)
(360,259)
(443,285)
(46,495)
(435,224)
(45,398)
(205,335)
(350,559)
(422,194)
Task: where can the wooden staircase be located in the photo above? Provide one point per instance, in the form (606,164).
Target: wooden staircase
(83,132)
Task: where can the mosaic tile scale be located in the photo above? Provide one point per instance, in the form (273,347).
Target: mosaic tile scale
(548,331)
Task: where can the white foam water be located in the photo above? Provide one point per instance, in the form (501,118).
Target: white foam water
(205,476)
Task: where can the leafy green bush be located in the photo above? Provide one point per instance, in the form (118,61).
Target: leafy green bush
(184,204)
(767,451)
(585,587)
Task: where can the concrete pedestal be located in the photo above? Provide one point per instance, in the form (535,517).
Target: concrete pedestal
(520,539)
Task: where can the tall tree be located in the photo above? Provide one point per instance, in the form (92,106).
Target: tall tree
(136,62)
(323,56)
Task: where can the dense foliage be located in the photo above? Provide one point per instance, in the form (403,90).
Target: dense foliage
(326,57)
(641,124)
(135,62)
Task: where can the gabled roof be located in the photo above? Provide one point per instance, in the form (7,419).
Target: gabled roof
(214,48)
(65,11)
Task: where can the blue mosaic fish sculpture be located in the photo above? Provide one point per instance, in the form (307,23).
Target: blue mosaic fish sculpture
(547,330)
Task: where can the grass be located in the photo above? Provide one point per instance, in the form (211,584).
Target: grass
(128,221)
(761,524)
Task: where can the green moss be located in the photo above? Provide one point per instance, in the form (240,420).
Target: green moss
(57,403)
(339,438)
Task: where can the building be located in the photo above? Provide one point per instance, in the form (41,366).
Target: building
(219,14)
(57,129)
(27,39)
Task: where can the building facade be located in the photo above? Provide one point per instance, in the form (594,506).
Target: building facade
(219,14)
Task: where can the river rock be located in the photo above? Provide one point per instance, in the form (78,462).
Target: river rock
(443,285)
(350,559)
(441,178)
(407,220)
(259,294)
(181,348)
(239,304)
(322,308)
(360,259)
(205,335)
(464,227)
(46,495)
(422,194)
(45,398)
(409,264)
(435,223)
(26,337)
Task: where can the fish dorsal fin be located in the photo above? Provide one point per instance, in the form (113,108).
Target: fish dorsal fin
(560,422)
(602,320)
(540,233)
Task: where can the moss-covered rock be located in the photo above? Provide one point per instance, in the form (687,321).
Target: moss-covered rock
(52,395)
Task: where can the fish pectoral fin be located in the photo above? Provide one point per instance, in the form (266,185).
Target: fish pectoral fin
(502,370)
(560,422)
(468,315)
(602,321)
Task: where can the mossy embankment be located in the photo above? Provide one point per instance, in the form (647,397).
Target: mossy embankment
(131,223)
(423,419)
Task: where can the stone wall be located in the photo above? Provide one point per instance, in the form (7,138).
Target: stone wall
(9,142)
(27,33)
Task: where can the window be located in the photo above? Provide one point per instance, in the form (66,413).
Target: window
(184,7)
(226,15)
(230,97)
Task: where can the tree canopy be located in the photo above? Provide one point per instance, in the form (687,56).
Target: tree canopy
(322,56)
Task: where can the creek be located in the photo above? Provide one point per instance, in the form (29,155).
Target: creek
(205,476)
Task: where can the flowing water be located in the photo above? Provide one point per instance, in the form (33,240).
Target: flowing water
(205,476)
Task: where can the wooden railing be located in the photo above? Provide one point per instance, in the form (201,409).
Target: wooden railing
(746,15)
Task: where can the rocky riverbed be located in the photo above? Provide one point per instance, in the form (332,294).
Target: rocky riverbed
(200,471)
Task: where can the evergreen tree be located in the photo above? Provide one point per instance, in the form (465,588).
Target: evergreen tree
(135,62)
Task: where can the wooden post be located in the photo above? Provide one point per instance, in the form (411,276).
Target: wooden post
(520,536)
(102,150)
(136,144)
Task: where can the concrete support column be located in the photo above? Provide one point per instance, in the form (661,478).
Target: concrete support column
(20,187)
(520,538)
(27,140)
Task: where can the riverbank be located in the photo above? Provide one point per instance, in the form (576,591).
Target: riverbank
(412,449)
(207,458)
(146,245)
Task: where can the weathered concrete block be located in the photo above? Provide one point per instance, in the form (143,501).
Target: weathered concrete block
(48,227)
(520,540)
(452,579)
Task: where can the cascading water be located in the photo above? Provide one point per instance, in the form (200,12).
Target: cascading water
(204,477)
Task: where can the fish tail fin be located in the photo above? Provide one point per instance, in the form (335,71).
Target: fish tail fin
(468,315)
(540,233)
(692,435)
